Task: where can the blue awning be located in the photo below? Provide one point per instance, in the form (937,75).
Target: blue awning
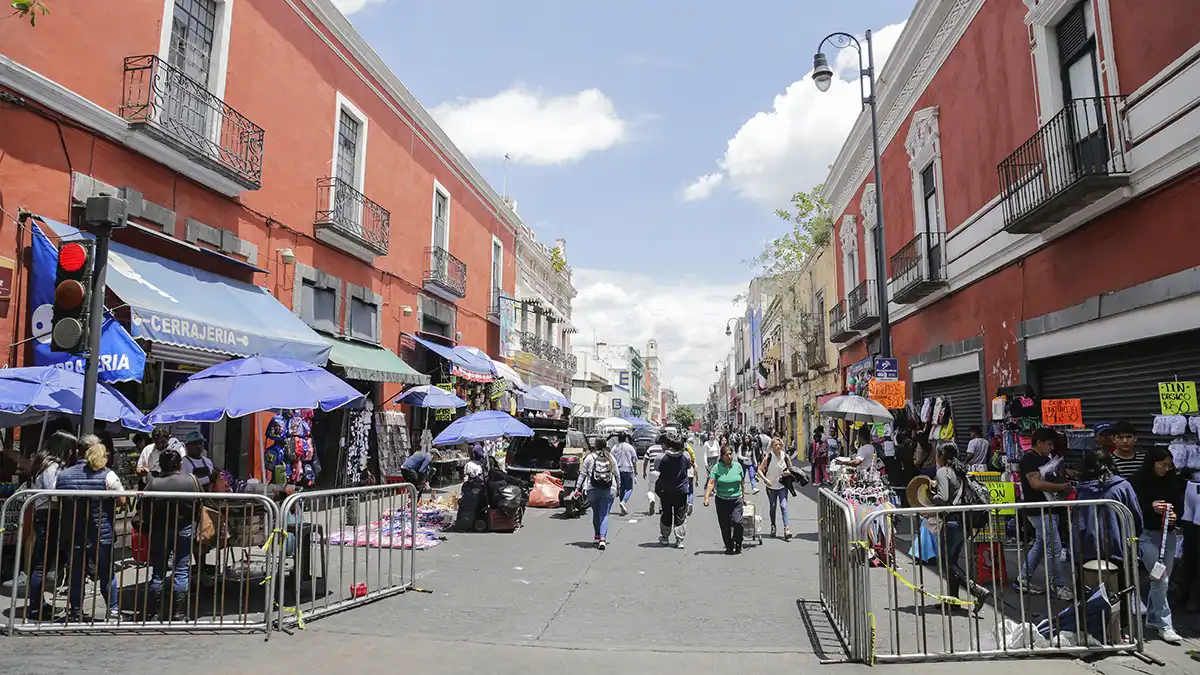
(464,362)
(175,304)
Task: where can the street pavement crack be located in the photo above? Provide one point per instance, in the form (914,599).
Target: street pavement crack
(575,585)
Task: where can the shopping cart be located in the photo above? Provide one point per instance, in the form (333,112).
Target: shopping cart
(750,521)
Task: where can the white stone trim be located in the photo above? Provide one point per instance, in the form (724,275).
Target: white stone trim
(439,189)
(955,365)
(1164,318)
(219,59)
(1042,20)
(346,107)
(934,28)
(849,236)
(409,111)
(55,96)
(867,204)
(924,147)
(498,280)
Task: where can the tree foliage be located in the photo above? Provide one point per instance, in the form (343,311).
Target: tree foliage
(29,9)
(811,228)
(557,261)
(684,417)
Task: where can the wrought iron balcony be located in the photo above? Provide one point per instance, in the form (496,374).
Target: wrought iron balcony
(839,330)
(918,268)
(862,304)
(1076,158)
(814,355)
(159,100)
(494,303)
(446,272)
(350,221)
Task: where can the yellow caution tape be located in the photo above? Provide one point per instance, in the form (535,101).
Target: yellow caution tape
(265,580)
(953,601)
(871,658)
(299,615)
(271,539)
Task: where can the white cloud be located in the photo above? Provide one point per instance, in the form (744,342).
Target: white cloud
(532,128)
(702,187)
(349,7)
(686,315)
(790,147)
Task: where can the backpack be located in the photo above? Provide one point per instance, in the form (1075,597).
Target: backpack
(975,493)
(602,473)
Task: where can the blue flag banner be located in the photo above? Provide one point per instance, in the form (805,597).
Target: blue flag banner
(121,359)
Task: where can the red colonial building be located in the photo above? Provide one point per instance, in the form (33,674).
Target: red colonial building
(260,143)
(1039,187)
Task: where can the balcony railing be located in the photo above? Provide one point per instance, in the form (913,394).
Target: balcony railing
(494,303)
(918,268)
(163,102)
(446,271)
(839,330)
(347,215)
(814,355)
(862,304)
(1075,158)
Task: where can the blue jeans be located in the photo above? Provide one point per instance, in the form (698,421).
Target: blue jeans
(779,497)
(83,557)
(1158,611)
(600,500)
(45,553)
(161,549)
(749,470)
(1046,544)
(626,486)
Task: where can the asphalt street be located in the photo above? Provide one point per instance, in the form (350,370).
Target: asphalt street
(546,600)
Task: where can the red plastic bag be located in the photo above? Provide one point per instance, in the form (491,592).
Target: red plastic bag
(141,547)
(545,491)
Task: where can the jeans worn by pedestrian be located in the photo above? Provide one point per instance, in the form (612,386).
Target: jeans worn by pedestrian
(674,517)
(749,470)
(45,552)
(1158,610)
(99,557)
(729,517)
(779,497)
(600,500)
(626,486)
(1046,545)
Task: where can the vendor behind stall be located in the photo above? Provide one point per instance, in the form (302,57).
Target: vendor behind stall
(415,469)
(196,462)
(148,461)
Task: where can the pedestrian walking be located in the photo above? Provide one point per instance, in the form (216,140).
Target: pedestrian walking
(951,484)
(672,488)
(650,471)
(747,457)
(598,483)
(712,452)
(625,457)
(725,481)
(818,456)
(775,468)
(170,525)
(1043,478)
(1160,494)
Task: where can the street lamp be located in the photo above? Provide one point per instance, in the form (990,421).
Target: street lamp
(823,77)
(729,332)
(717,367)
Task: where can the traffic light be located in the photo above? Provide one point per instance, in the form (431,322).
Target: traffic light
(72,297)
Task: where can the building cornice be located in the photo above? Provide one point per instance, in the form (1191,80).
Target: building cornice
(932,31)
(410,111)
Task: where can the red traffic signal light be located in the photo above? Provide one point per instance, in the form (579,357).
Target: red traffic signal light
(72,292)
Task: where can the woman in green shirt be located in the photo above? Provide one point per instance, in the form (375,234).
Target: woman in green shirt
(726,480)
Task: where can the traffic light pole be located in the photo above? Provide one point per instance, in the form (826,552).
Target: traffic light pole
(87,424)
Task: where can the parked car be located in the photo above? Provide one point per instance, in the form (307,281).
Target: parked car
(544,450)
(643,438)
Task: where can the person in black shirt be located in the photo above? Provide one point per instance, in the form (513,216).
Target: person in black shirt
(1160,494)
(170,524)
(1043,479)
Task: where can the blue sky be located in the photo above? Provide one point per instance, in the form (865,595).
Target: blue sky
(611,110)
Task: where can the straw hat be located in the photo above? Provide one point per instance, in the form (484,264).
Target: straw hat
(918,491)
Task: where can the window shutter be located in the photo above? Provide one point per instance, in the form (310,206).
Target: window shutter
(1072,35)
(928,185)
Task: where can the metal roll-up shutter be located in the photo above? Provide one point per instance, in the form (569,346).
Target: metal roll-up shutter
(1121,383)
(966,402)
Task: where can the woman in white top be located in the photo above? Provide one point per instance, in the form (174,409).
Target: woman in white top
(475,467)
(773,469)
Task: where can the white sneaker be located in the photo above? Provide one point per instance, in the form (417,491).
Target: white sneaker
(624,511)
(756,490)
(602,545)
(1169,636)
(1026,586)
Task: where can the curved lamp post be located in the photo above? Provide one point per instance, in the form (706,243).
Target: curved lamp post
(823,77)
(728,330)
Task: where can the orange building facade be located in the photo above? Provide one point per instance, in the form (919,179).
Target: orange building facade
(1038,179)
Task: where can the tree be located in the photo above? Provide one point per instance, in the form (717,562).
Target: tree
(684,417)
(29,9)
(811,228)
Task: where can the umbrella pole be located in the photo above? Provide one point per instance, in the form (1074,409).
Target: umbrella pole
(42,434)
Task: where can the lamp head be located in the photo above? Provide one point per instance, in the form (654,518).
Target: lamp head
(727,331)
(822,73)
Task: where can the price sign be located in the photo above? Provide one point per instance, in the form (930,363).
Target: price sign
(1002,492)
(1062,412)
(889,394)
(1178,398)
(443,414)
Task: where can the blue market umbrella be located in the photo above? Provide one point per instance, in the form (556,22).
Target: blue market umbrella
(551,394)
(532,400)
(637,422)
(256,384)
(484,425)
(429,396)
(27,395)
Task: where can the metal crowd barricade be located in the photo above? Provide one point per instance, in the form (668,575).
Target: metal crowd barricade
(843,574)
(345,547)
(926,622)
(215,583)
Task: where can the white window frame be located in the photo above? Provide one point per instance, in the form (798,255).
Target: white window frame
(496,270)
(849,237)
(1043,18)
(346,107)
(439,189)
(867,208)
(219,59)
(924,147)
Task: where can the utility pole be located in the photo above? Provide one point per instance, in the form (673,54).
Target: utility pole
(103,214)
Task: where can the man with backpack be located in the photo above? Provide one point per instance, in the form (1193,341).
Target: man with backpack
(953,486)
(672,488)
(597,481)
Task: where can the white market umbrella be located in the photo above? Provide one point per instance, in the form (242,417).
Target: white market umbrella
(508,374)
(614,424)
(856,409)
